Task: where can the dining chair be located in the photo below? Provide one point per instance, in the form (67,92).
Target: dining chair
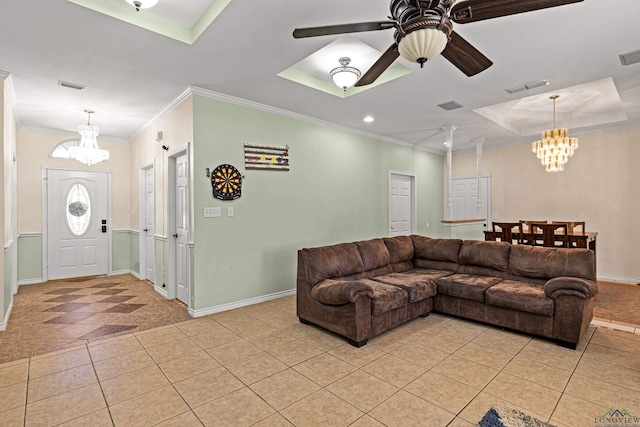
(526,227)
(552,235)
(504,231)
(572,225)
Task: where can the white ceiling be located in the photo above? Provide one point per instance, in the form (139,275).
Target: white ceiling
(131,73)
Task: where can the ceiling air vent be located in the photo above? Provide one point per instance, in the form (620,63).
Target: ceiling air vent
(451,105)
(630,58)
(527,86)
(71,85)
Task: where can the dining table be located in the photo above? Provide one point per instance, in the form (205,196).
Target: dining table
(577,239)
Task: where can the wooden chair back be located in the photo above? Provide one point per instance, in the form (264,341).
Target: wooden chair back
(550,235)
(573,225)
(504,231)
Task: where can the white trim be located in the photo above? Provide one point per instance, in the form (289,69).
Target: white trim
(126,271)
(142,203)
(36,281)
(164,110)
(618,278)
(162,291)
(3,325)
(30,234)
(238,304)
(301,117)
(8,244)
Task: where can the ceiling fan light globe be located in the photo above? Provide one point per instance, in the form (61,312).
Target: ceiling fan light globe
(424,43)
(345,79)
(142,4)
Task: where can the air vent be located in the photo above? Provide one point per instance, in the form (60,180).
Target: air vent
(451,105)
(630,58)
(527,86)
(71,85)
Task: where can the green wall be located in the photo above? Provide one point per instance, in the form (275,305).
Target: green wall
(121,250)
(336,191)
(8,292)
(29,257)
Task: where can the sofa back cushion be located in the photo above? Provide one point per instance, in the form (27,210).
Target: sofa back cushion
(436,249)
(375,256)
(494,255)
(400,252)
(547,263)
(330,262)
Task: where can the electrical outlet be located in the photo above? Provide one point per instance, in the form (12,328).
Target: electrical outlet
(230,211)
(494,216)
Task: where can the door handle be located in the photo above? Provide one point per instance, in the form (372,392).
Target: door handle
(145,230)
(175,235)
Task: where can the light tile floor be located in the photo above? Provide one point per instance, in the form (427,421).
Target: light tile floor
(258,366)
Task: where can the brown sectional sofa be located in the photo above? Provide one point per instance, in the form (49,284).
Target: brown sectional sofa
(362,289)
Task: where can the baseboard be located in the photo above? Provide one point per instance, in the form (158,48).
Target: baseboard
(238,304)
(619,278)
(126,271)
(161,291)
(30,282)
(3,325)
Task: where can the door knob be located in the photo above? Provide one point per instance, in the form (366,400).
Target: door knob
(145,230)
(175,235)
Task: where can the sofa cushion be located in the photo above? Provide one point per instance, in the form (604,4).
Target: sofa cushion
(436,249)
(520,296)
(546,263)
(493,255)
(374,254)
(466,286)
(330,262)
(385,297)
(417,287)
(400,252)
(339,292)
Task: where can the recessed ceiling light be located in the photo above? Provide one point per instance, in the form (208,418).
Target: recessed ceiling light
(72,85)
(368,119)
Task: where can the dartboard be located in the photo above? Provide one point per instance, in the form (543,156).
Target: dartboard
(226,182)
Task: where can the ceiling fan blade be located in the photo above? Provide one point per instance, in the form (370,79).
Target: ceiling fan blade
(464,56)
(479,10)
(379,66)
(357,27)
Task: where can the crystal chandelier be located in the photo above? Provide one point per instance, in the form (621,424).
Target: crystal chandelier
(555,147)
(87,151)
(345,76)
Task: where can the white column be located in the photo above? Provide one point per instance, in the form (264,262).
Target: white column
(449,144)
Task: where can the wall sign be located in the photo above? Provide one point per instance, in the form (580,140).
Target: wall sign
(226,181)
(258,156)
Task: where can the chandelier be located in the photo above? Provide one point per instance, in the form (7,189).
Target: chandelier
(555,147)
(345,76)
(87,151)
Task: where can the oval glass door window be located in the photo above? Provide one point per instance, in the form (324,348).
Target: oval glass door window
(78,210)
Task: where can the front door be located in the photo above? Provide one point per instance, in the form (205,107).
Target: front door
(182,229)
(77,223)
(401,205)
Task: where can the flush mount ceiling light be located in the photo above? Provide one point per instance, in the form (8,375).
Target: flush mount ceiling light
(142,4)
(87,151)
(345,76)
(555,147)
(368,119)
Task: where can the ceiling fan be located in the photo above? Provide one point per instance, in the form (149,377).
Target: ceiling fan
(424,29)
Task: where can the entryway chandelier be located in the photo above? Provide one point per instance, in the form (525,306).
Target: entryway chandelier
(555,147)
(87,151)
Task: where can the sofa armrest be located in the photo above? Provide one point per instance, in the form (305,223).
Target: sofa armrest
(337,292)
(575,286)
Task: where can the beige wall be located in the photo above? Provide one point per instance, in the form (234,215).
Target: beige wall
(33,155)
(600,185)
(177,130)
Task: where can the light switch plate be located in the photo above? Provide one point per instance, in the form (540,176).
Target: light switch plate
(230,211)
(211,212)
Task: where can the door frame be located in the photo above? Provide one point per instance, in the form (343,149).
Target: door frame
(142,210)
(414,202)
(45,218)
(171,222)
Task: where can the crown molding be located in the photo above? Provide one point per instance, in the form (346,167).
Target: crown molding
(164,110)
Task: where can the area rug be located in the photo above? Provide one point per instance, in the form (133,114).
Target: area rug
(501,416)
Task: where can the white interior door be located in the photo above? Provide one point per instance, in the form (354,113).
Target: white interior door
(465,198)
(401,204)
(148,230)
(182,229)
(77,223)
